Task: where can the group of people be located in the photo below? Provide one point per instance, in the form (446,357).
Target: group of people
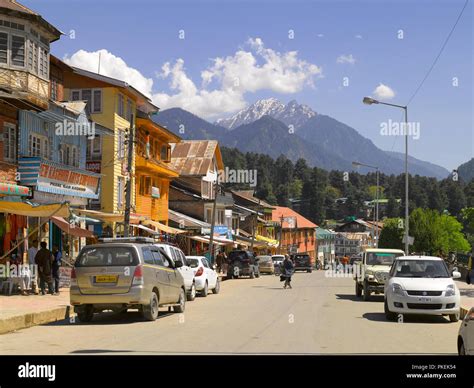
(48,264)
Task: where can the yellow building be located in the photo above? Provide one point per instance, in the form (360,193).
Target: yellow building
(111,103)
(153,172)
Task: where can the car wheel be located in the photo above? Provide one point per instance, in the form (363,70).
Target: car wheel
(454,317)
(309,271)
(86,314)
(205,290)
(181,302)
(358,289)
(388,314)
(461,349)
(192,293)
(366,290)
(150,311)
(217,288)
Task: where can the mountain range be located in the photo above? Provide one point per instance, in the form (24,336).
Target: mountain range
(296,131)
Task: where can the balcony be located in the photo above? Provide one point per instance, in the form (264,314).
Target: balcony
(22,85)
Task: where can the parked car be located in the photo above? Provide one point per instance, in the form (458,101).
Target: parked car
(302,262)
(422,285)
(371,273)
(242,263)
(123,273)
(265,265)
(466,335)
(206,278)
(186,271)
(277,261)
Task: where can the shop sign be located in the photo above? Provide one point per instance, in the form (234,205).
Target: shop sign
(94,166)
(155,192)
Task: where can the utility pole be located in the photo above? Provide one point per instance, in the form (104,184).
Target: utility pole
(128,193)
(213,223)
(281,232)
(254,222)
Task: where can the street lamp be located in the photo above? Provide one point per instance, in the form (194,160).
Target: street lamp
(370,101)
(376,212)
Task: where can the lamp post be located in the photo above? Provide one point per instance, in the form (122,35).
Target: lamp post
(376,207)
(370,101)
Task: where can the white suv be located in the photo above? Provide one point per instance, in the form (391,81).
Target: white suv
(186,271)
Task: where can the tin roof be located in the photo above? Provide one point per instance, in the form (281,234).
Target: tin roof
(195,157)
(301,222)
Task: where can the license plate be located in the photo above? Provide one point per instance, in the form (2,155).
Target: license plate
(106,278)
(424,299)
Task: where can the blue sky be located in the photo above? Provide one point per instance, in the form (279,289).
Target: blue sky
(145,35)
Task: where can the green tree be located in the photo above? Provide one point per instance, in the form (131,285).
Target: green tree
(392,234)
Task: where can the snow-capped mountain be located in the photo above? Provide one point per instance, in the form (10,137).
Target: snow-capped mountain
(290,114)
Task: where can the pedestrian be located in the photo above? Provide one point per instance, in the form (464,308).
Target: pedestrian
(288,269)
(44,260)
(32,251)
(57,259)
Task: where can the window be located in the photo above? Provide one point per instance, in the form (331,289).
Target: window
(120,107)
(148,256)
(43,63)
(157,257)
(93,147)
(129,109)
(9,142)
(92,96)
(208,215)
(18,51)
(164,153)
(54,89)
(3,47)
(38,145)
(121,144)
(147,185)
(120,192)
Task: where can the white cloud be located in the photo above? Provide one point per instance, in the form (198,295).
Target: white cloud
(320,35)
(384,92)
(346,59)
(223,84)
(110,66)
(233,76)
(358,36)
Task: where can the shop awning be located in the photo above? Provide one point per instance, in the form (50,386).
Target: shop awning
(163,227)
(268,240)
(142,227)
(106,217)
(187,221)
(216,240)
(34,210)
(73,230)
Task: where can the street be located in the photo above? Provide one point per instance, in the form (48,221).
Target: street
(319,315)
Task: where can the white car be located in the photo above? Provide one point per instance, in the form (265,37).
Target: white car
(205,277)
(277,262)
(466,335)
(421,285)
(185,270)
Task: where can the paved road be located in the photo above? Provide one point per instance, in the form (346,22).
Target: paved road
(319,315)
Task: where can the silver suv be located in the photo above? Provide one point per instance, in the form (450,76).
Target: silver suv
(125,273)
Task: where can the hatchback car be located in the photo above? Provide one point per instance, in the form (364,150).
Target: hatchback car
(205,277)
(466,335)
(421,285)
(242,263)
(121,274)
(302,262)
(265,265)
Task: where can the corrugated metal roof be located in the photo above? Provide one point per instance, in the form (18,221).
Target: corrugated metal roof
(193,157)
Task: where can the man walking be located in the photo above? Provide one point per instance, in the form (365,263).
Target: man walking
(288,269)
(44,260)
(57,257)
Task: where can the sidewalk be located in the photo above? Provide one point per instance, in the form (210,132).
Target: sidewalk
(18,312)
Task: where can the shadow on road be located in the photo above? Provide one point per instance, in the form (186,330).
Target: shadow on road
(407,318)
(373,298)
(110,318)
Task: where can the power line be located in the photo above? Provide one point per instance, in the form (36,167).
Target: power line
(439,54)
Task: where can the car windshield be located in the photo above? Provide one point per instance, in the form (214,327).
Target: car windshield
(421,269)
(264,259)
(278,258)
(240,255)
(193,263)
(381,258)
(107,256)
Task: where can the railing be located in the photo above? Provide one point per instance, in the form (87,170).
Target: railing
(22,81)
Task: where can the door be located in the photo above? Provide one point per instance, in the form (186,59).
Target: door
(184,270)
(175,278)
(211,275)
(469,337)
(162,276)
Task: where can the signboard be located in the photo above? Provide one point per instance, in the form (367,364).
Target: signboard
(411,240)
(218,230)
(94,166)
(69,182)
(65,276)
(291,222)
(155,192)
